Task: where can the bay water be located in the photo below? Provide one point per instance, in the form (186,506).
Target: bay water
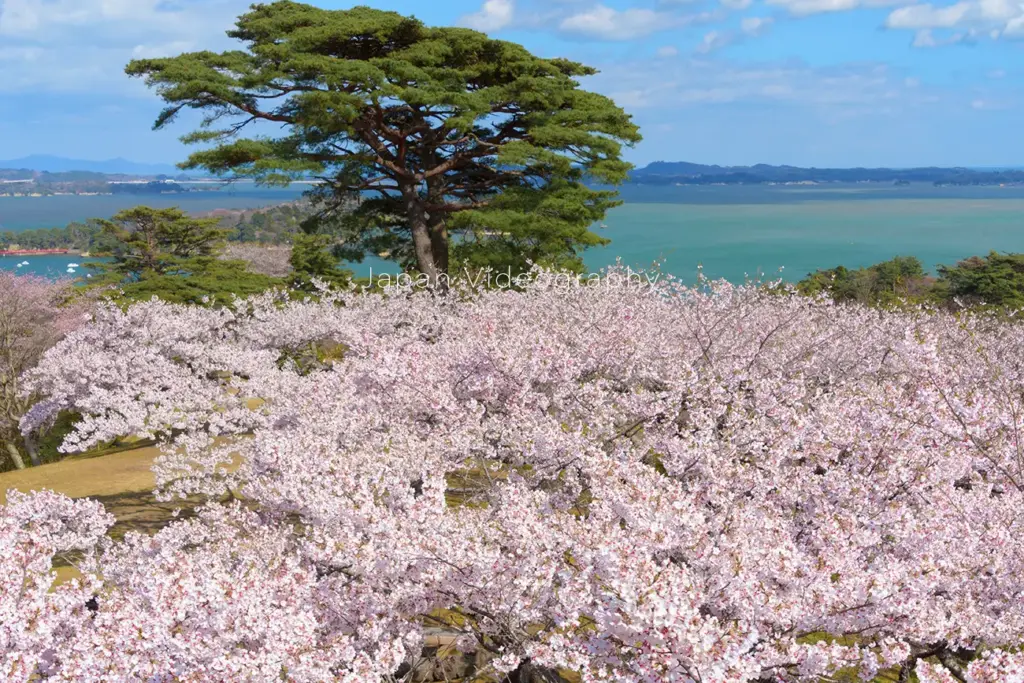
(732,232)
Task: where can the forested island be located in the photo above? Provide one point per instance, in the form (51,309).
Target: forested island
(270,225)
(685,173)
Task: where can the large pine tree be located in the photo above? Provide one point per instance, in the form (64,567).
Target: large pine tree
(442,131)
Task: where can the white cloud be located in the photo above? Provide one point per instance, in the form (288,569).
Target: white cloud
(755,26)
(494,15)
(996,73)
(928,16)
(41,69)
(737,4)
(985,104)
(809,7)
(83,45)
(962,22)
(924,38)
(590,19)
(175,47)
(20,17)
(842,91)
(668,51)
(750,27)
(1014,28)
(714,40)
(630,99)
(30,19)
(604,23)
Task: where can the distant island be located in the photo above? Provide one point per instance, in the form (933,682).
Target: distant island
(31,183)
(685,173)
(35,182)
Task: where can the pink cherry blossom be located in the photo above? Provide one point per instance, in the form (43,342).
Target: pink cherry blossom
(636,483)
(34,315)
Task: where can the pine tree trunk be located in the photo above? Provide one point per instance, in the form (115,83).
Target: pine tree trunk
(420,236)
(439,246)
(12,450)
(436,226)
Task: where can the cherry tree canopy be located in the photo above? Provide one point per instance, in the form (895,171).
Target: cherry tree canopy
(635,483)
(34,315)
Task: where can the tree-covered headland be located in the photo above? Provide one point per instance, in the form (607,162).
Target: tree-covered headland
(270,225)
(994,281)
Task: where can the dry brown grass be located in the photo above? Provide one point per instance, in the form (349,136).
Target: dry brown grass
(87,476)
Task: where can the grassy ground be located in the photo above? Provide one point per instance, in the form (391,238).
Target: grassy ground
(93,476)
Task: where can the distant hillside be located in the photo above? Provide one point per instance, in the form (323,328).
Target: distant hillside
(685,173)
(53,164)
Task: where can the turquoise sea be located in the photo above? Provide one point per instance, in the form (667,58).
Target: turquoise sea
(749,231)
(25,213)
(734,232)
(30,213)
(49,266)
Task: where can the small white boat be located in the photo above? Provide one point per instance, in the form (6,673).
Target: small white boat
(71,270)
(72,265)
(24,263)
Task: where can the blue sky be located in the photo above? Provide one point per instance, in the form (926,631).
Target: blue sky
(802,82)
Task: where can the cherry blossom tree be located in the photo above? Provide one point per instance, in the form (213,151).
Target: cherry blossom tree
(33,317)
(630,482)
(36,615)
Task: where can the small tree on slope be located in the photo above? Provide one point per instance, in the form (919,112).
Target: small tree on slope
(32,319)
